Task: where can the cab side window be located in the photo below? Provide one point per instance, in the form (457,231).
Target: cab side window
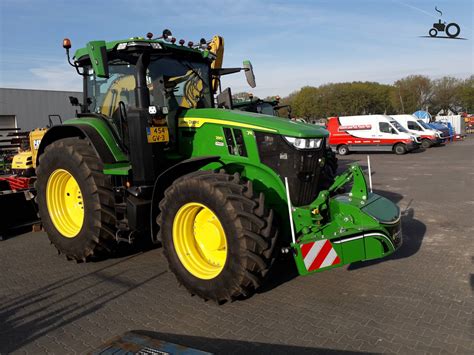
(412,125)
(384,127)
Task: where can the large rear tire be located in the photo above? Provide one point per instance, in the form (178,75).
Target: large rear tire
(218,236)
(75,199)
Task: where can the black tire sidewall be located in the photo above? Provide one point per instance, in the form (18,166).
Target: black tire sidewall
(201,192)
(400,149)
(343,149)
(435,32)
(426,143)
(54,158)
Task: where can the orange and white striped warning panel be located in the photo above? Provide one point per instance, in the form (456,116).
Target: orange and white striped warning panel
(319,254)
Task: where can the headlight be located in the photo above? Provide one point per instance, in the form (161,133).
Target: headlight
(304,143)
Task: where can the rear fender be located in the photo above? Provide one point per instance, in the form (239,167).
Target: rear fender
(97,139)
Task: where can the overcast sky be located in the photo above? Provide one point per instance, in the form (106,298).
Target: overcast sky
(290,43)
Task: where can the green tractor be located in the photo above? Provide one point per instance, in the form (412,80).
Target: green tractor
(151,157)
(265,107)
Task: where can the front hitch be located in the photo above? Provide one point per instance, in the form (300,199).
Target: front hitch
(335,229)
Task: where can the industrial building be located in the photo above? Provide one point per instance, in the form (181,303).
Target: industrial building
(28,109)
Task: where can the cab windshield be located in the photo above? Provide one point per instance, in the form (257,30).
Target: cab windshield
(423,124)
(398,126)
(185,84)
(171,82)
(266,109)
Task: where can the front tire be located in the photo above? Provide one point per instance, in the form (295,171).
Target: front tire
(400,149)
(433,32)
(343,149)
(426,143)
(218,236)
(75,199)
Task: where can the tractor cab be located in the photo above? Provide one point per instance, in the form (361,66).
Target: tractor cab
(156,76)
(266,107)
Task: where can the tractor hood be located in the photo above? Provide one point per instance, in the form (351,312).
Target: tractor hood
(255,121)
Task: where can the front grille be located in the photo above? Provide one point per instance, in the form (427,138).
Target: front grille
(301,167)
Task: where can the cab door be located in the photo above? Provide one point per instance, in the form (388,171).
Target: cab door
(387,135)
(414,127)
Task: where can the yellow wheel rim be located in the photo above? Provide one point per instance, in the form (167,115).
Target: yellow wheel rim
(64,201)
(199,240)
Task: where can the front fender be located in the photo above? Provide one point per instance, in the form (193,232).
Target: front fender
(263,179)
(166,178)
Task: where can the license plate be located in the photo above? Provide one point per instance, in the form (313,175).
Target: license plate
(157,134)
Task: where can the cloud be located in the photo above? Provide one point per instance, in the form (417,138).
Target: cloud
(50,77)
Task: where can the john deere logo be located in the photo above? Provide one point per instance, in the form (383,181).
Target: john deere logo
(451,30)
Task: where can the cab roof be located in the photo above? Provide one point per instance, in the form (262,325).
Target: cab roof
(137,42)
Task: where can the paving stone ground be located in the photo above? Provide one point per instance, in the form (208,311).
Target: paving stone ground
(417,301)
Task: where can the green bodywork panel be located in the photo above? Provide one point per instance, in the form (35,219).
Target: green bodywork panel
(265,123)
(98,54)
(105,132)
(122,169)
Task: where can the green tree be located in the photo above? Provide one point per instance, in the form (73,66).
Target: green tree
(304,103)
(339,99)
(466,95)
(407,95)
(446,94)
(412,93)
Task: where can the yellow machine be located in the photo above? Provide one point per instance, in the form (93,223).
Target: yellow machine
(217,47)
(121,90)
(24,163)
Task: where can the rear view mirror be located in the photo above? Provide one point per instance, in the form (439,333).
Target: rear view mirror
(249,74)
(74,101)
(50,120)
(224,99)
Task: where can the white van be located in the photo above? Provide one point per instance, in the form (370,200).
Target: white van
(369,133)
(429,136)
